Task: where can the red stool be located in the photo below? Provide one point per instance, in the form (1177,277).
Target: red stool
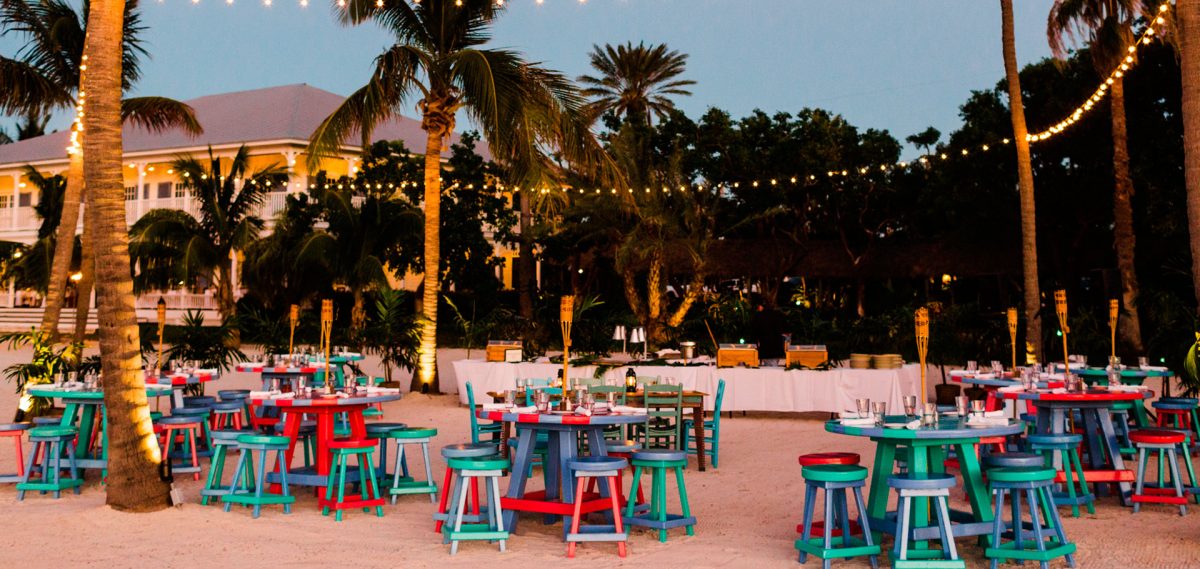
(15,431)
(1161,440)
(850,458)
(188,429)
(463,451)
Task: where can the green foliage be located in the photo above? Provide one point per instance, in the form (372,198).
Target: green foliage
(47,363)
(1191,369)
(209,346)
(393,332)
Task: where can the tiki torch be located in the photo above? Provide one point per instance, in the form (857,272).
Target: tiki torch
(1114,308)
(162,324)
(566,315)
(922,329)
(1012,335)
(326,330)
(293,319)
(1060,308)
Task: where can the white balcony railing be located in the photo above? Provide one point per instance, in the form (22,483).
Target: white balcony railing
(23,219)
(176,300)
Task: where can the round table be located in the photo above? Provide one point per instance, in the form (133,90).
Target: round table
(1095,407)
(991,384)
(179,381)
(927,453)
(324,409)
(83,405)
(287,375)
(563,432)
(1132,376)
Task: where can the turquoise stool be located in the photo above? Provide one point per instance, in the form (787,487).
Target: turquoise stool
(494,429)
(52,443)
(1120,419)
(659,461)
(368,482)
(1072,473)
(930,486)
(240,491)
(213,485)
(607,468)
(454,480)
(712,429)
(835,480)
(1049,541)
(490,470)
(1181,413)
(413,436)
(380,432)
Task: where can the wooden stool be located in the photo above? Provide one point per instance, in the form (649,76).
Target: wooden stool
(239,491)
(204,414)
(51,443)
(607,468)
(937,487)
(188,428)
(623,449)
(226,415)
(379,431)
(835,479)
(368,483)
(816,458)
(241,396)
(413,436)
(490,470)
(1179,413)
(15,431)
(1120,420)
(1035,483)
(1161,440)
(213,485)
(465,451)
(659,461)
(1014,460)
(1071,476)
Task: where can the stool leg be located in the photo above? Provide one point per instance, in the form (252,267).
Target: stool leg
(637,478)
(810,494)
(998,523)
(429,474)
(1139,485)
(437,526)
(260,482)
(341,488)
(614,489)
(280,460)
(28,469)
(374,486)
(195,453)
(902,517)
(843,514)
(1082,478)
(944,527)
(329,483)
(474,494)
(575,515)
(1018,526)
(497,517)
(865,524)
(1037,525)
(238,478)
(459,511)
(659,489)
(1177,479)
(214,469)
(1068,465)
(58,450)
(687,509)
(1053,516)
(396,469)
(21,457)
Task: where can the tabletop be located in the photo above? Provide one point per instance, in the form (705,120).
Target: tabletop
(90,394)
(947,428)
(263,368)
(637,394)
(1127,372)
(200,376)
(326,400)
(1094,395)
(554,419)
(1001,382)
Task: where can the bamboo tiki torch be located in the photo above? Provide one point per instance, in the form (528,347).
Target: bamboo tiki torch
(1114,307)
(326,331)
(1012,335)
(162,324)
(922,329)
(1060,308)
(566,315)
(293,318)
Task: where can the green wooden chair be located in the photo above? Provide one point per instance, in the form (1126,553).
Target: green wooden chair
(644,380)
(588,382)
(477,428)
(611,432)
(664,411)
(712,429)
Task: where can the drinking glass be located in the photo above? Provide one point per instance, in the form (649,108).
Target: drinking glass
(543,402)
(1114,377)
(972,366)
(612,399)
(1143,362)
(910,405)
(880,409)
(961,403)
(930,417)
(997,367)
(510,399)
(864,407)
(977,407)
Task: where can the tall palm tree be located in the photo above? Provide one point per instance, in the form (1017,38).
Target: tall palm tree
(31,269)
(53,58)
(635,81)
(1106,27)
(440,55)
(133,479)
(170,246)
(1033,303)
(1187,17)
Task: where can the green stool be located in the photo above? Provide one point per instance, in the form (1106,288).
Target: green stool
(490,469)
(835,480)
(368,484)
(659,461)
(240,492)
(412,436)
(1072,472)
(1048,541)
(222,441)
(52,442)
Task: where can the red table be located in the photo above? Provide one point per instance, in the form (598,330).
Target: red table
(324,409)
(179,381)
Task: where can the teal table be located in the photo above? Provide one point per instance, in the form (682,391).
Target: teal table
(927,454)
(80,408)
(1132,376)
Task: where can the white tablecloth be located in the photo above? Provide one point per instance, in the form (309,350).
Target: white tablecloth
(763,389)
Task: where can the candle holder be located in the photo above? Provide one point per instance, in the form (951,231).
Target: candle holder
(566,316)
(162,324)
(921,321)
(1060,309)
(293,319)
(326,332)
(1114,308)
(1012,335)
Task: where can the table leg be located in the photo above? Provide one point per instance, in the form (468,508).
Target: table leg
(568,449)
(885,463)
(918,466)
(1114,452)
(977,493)
(324,437)
(358,425)
(516,480)
(698,419)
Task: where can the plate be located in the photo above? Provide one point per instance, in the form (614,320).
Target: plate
(895,425)
(979,425)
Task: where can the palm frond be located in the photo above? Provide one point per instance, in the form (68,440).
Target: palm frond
(26,89)
(160,114)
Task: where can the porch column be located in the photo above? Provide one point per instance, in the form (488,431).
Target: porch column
(16,198)
(141,181)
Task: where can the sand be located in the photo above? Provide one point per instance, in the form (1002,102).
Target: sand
(747,511)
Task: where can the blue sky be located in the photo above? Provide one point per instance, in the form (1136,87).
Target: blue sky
(900,65)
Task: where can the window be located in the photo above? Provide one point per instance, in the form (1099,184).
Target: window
(130,193)
(145,191)
(164,190)
(180,191)
(25,200)
(4,201)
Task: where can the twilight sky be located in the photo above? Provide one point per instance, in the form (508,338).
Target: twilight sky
(900,65)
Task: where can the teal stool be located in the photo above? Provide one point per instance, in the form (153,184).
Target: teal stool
(240,491)
(659,461)
(712,429)
(1120,419)
(931,486)
(52,443)
(1072,477)
(1182,413)
(835,480)
(368,483)
(456,530)
(413,436)
(213,486)
(454,479)
(1049,541)
(492,429)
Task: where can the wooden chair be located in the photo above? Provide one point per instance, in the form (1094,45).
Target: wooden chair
(664,410)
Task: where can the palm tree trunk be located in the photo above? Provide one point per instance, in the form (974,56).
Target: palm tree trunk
(133,453)
(358,314)
(1033,302)
(87,267)
(225,302)
(426,380)
(526,279)
(64,246)
(1187,14)
(1123,236)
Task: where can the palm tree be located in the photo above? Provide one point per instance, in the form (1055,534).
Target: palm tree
(133,482)
(170,246)
(49,65)
(1033,323)
(1106,25)
(31,269)
(635,81)
(1187,14)
(522,110)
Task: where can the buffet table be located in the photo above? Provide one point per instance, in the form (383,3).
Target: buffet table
(746,389)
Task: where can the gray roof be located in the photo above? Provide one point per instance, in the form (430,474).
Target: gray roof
(290,112)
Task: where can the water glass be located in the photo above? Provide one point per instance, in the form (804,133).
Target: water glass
(961,404)
(972,366)
(910,405)
(997,367)
(880,409)
(510,399)
(1143,362)
(1114,377)
(930,416)
(543,402)
(1114,362)
(864,407)
(977,407)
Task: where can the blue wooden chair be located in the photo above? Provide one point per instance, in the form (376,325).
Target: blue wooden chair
(477,428)
(712,429)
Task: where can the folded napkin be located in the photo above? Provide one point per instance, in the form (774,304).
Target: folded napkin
(858,422)
(372,390)
(205,372)
(986,420)
(525,410)
(1011,389)
(261,394)
(583,411)
(985,376)
(495,407)
(1154,368)
(629,410)
(349,355)
(994,414)
(1058,390)
(1128,388)
(913,424)
(284,396)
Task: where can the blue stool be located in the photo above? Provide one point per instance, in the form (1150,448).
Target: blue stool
(202,414)
(241,396)
(52,442)
(454,480)
(659,461)
(227,415)
(607,468)
(239,490)
(46,421)
(380,431)
(199,401)
(1067,446)
(1050,541)
(1013,460)
(937,487)
(213,485)
(835,480)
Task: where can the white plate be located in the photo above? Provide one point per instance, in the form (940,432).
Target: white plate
(895,425)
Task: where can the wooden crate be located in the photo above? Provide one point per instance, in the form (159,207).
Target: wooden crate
(732,355)
(807,356)
(497,349)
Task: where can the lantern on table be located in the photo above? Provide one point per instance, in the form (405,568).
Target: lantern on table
(162,324)
(921,321)
(326,332)
(630,381)
(1012,335)
(293,318)
(566,315)
(1060,309)
(1114,307)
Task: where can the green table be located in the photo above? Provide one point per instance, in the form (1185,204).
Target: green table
(927,453)
(1132,376)
(80,407)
